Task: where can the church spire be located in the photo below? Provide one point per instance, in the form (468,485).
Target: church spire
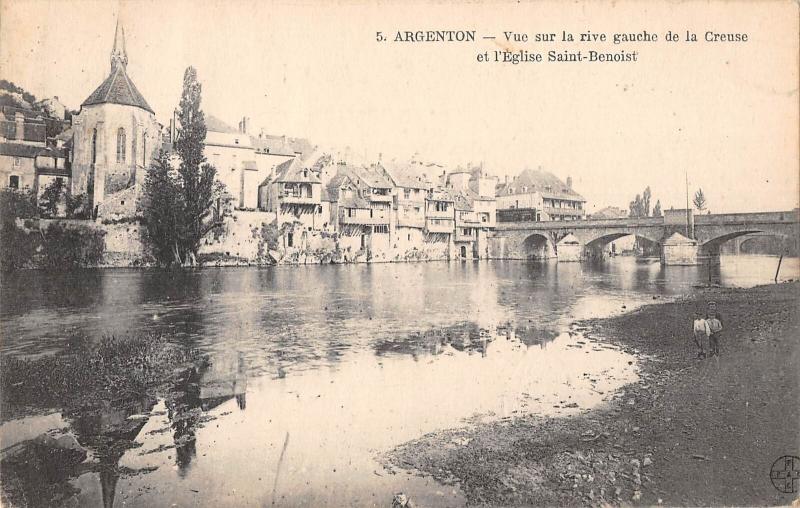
(118,54)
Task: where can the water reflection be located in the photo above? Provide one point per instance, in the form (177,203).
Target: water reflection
(348,360)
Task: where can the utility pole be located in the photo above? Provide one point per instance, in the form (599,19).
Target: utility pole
(688,211)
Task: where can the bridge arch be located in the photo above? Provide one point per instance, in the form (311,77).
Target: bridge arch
(712,246)
(538,246)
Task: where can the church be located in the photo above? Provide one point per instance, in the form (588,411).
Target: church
(115,137)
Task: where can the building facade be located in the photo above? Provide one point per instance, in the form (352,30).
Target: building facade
(542,193)
(115,137)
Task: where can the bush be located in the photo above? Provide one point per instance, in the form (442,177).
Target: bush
(51,197)
(112,366)
(65,248)
(17,246)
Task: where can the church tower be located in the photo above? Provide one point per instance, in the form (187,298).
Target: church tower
(115,138)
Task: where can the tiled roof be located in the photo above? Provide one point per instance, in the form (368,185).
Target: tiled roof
(214,124)
(281,145)
(407,175)
(354,201)
(463,202)
(373,176)
(118,89)
(543,182)
(20,150)
(441,195)
(294,171)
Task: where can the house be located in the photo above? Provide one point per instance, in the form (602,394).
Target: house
(440,221)
(411,190)
(467,226)
(244,162)
(360,206)
(610,212)
(28,159)
(542,193)
(295,195)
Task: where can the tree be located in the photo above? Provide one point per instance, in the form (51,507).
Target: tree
(646,202)
(699,200)
(183,202)
(636,208)
(51,198)
(657,209)
(17,246)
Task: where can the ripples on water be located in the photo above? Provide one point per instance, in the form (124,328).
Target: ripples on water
(317,369)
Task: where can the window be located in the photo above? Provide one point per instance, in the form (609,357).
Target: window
(17,161)
(381,229)
(120,145)
(13,181)
(144,149)
(94,146)
(407,193)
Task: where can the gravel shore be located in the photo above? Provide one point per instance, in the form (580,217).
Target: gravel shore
(689,432)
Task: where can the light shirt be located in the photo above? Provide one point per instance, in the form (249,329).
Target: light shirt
(701,325)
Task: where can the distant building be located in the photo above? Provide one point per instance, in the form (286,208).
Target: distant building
(610,212)
(411,189)
(244,162)
(475,210)
(28,159)
(360,208)
(53,107)
(296,195)
(542,192)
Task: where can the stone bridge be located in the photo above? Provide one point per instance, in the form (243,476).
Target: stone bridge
(698,237)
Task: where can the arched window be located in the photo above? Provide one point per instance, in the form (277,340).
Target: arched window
(120,145)
(94,146)
(144,149)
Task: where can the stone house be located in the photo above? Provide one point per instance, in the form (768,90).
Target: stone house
(115,137)
(542,192)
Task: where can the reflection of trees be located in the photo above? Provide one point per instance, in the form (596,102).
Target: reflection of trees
(199,391)
(466,337)
(108,432)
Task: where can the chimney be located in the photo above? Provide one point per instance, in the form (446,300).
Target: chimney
(243,127)
(569,182)
(506,179)
(19,122)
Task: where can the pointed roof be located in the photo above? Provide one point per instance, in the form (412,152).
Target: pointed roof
(118,87)
(294,171)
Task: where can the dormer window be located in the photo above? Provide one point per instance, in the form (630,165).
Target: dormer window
(511,190)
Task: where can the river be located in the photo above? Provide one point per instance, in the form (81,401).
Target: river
(318,370)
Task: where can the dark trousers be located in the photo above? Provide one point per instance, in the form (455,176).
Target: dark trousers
(713,343)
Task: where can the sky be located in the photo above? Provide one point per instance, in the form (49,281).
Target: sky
(723,114)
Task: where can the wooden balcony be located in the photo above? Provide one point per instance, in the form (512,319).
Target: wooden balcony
(436,227)
(298,200)
(364,219)
(411,222)
(436,214)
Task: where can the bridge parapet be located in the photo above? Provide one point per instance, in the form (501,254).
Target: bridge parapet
(721,219)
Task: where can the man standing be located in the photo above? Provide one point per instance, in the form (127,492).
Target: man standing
(715,324)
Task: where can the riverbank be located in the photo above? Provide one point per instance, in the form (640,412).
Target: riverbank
(689,432)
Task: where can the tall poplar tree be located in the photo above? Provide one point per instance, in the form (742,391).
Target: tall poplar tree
(183,201)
